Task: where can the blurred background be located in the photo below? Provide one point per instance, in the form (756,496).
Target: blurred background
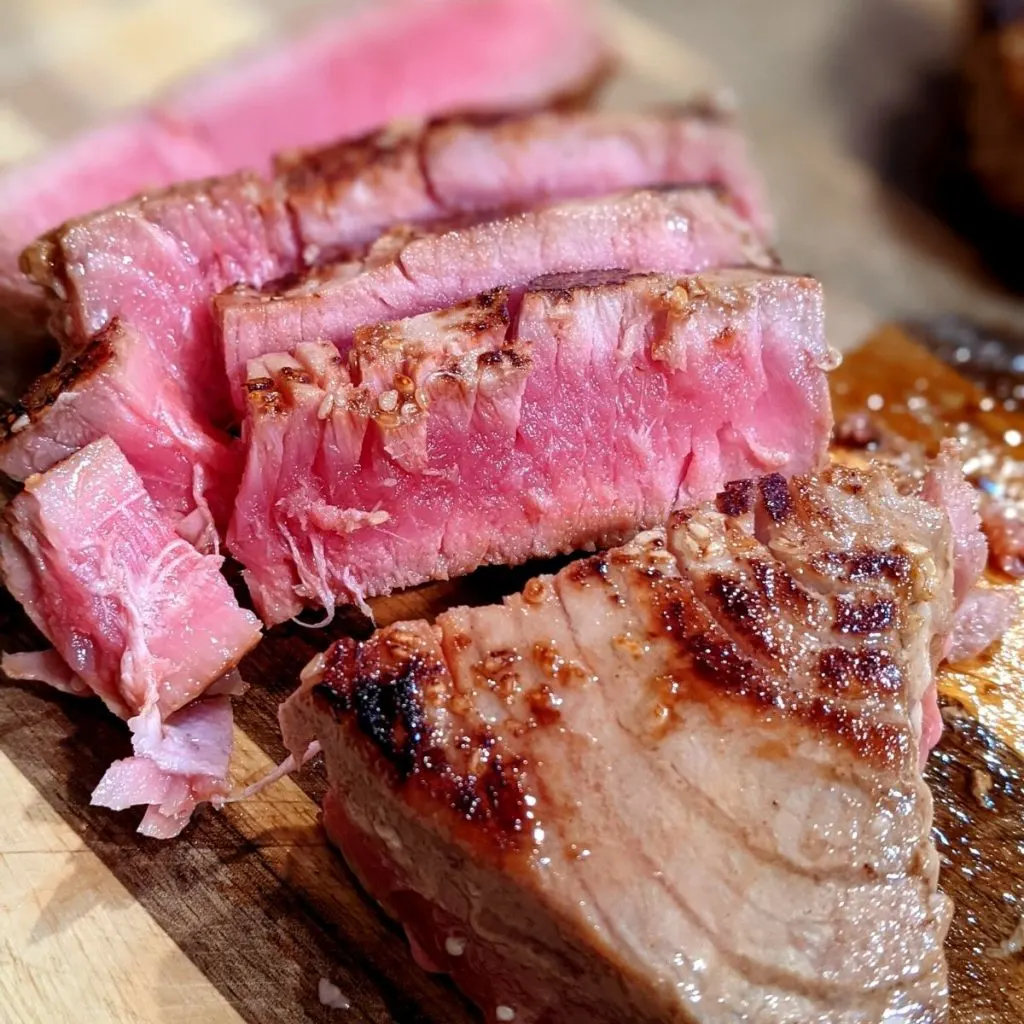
(850,105)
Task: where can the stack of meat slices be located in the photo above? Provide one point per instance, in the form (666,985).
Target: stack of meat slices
(479,340)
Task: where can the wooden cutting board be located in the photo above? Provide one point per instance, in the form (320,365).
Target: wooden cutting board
(241,918)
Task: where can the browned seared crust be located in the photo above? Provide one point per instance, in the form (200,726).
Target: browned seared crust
(378,378)
(66,376)
(752,602)
(386,687)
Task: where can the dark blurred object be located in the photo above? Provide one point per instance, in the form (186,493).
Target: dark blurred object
(994,99)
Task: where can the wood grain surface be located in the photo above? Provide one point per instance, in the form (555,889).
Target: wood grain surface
(241,918)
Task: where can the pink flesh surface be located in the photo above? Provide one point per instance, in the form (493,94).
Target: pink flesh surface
(155,262)
(983,617)
(631,403)
(412,58)
(946,487)
(177,764)
(124,391)
(674,231)
(344,78)
(136,612)
(345,196)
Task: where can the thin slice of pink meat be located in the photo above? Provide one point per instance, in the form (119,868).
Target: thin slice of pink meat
(673,230)
(344,196)
(410,58)
(473,436)
(155,261)
(345,77)
(985,614)
(120,388)
(135,611)
(946,487)
(176,765)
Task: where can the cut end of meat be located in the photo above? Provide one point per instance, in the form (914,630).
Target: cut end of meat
(407,272)
(345,195)
(119,387)
(136,612)
(734,691)
(155,262)
(474,436)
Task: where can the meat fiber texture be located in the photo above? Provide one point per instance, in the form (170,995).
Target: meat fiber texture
(344,196)
(159,260)
(672,230)
(678,781)
(119,388)
(475,436)
(155,262)
(139,618)
(411,58)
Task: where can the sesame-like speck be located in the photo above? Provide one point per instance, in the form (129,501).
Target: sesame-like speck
(504,1013)
(875,402)
(962,354)
(987,404)
(455,945)
(1012,438)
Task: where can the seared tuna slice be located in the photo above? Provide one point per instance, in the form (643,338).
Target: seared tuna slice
(345,195)
(141,617)
(676,782)
(677,231)
(467,437)
(156,261)
(119,388)
(345,77)
(404,59)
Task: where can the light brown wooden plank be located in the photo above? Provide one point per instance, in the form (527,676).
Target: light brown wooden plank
(75,945)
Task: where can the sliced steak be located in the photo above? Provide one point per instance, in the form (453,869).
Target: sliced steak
(119,388)
(345,77)
(155,262)
(676,782)
(142,619)
(345,195)
(675,231)
(400,59)
(476,435)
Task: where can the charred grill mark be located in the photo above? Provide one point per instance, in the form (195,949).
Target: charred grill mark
(46,389)
(382,687)
(387,705)
(775,494)
(737,498)
(749,613)
(858,673)
(864,565)
(709,664)
(320,170)
(863,617)
(881,742)
(508,356)
(295,375)
(586,570)
(562,288)
(779,587)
